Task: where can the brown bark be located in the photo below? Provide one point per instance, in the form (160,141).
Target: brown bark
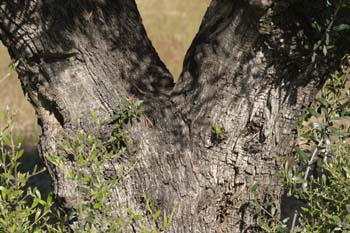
(246,71)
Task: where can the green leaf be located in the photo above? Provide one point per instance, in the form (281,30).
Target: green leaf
(37,193)
(121,170)
(298,180)
(49,199)
(316,125)
(35,203)
(310,137)
(285,220)
(4,191)
(5,139)
(138,217)
(156,215)
(13,65)
(37,213)
(336,219)
(97,206)
(341,27)
(313,112)
(324,50)
(165,221)
(313,58)
(324,179)
(19,141)
(255,187)
(19,154)
(327,39)
(273,210)
(301,153)
(94,116)
(129,211)
(348,209)
(323,101)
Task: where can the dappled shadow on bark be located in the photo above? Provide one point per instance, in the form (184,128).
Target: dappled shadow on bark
(252,72)
(287,40)
(107,29)
(87,49)
(242,74)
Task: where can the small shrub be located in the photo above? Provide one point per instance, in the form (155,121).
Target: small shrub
(93,171)
(218,134)
(22,208)
(319,171)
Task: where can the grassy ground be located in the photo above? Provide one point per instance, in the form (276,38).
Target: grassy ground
(13,100)
(171,25)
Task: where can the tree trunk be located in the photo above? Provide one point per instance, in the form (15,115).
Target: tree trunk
(247,72)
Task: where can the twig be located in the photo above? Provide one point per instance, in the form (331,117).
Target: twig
(294,221)
(5,77)
(311,161)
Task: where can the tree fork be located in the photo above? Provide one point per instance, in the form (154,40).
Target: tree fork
(247,72)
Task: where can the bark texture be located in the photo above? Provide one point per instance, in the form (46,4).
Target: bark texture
(247,71)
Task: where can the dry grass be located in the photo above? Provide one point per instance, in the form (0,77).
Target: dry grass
(13,100)
(171,25)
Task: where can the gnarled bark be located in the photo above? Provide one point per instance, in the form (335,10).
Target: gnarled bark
(246,71)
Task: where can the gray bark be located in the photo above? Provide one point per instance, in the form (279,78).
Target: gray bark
(246,71)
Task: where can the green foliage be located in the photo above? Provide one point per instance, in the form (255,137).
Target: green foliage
(321,29)
(93,208)
(162,221)
(96,176)
(318,174)
(327,195)
(330,26)
(22,208)
(267,214)
(94,166)
(130,110)
(322,130)
(13,65)
(217,134)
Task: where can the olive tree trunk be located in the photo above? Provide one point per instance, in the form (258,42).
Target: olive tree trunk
(247,72)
